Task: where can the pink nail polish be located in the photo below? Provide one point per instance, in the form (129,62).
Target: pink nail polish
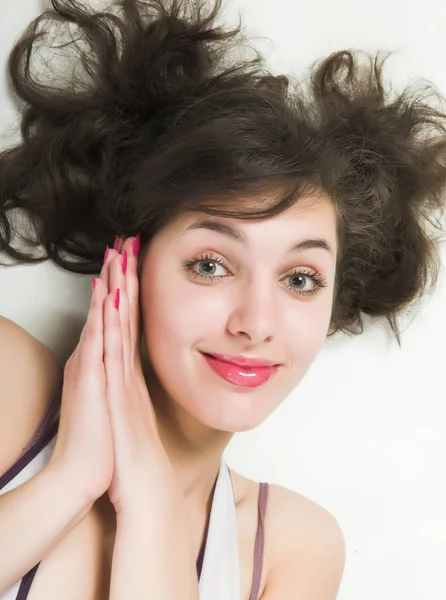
(136,244)
(116,243)
(106,253)
(124,262)
(116,298)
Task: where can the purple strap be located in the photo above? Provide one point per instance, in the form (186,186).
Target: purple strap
(26,583)
(260,542)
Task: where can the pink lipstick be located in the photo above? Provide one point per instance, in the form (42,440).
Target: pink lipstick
(251,373)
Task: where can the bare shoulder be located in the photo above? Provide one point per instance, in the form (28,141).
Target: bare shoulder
(304,553)
(293,512)
(307,548)
(288,511)
(29,372)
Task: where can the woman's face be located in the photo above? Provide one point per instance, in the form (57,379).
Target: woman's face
(252,297)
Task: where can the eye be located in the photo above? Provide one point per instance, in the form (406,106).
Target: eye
(209,266)
(306,283)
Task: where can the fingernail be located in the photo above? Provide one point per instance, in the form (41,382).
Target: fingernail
(93,283)
(136,244)
(116,298)
(124,262)
(106,253)
(116,243)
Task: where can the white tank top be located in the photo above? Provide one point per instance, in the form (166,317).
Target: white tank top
(220,576)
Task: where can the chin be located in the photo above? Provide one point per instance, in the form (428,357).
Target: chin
(231,412)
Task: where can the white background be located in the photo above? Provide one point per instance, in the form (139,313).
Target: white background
(364,433)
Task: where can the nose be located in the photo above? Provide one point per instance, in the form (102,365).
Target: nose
(254,313)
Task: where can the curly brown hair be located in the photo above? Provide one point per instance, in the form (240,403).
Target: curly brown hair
(161,120)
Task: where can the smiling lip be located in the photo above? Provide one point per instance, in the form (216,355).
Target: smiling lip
(243,361)
(240,375)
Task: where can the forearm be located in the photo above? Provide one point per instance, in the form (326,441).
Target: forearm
(34,517)
(153,554)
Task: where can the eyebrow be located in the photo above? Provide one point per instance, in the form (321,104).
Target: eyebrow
(237,235)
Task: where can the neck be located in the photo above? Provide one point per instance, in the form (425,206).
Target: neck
(194,449)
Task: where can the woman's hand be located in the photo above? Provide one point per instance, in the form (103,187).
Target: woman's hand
(138,451)
(84,443)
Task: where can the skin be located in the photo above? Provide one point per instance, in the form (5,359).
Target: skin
(251,311)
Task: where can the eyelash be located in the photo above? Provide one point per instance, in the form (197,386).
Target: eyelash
(313,275)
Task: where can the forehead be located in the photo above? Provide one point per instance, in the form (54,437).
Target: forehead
(313,216)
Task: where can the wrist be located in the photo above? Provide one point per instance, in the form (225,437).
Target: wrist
(65,485)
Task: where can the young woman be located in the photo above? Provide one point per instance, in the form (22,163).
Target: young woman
(249,220)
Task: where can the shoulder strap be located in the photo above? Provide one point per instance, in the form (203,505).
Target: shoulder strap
(26,583)
(260,541)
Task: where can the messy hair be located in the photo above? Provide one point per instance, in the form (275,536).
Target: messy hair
(162,118)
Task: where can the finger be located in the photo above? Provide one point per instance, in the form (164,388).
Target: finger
(124,311)
(113,351)
(133,295)
(91,347)
(117,244)
(109,256)
(119,280)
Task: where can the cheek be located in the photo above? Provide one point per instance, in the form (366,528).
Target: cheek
(307,327)
(177,315)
